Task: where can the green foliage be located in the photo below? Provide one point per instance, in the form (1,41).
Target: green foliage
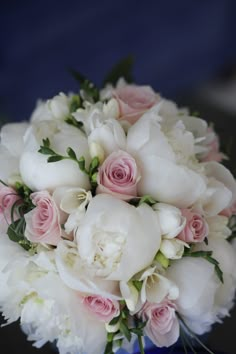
(124,330)
(71,155)
(122,69)
(87,87)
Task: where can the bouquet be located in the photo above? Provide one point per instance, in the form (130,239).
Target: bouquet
(117,221)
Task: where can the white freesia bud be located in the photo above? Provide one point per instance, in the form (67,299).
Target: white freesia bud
(172,249)
(112,328)
(59,106)
(96,150)
(111,109)
(130,294)
(170,219)
(218,226)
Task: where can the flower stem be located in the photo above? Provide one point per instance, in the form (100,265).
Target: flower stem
(140,343)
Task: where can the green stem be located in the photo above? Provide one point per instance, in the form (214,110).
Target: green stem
(140,343)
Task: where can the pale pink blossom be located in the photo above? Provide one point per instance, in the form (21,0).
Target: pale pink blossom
(162,324)
(119,175)
(134,101)
(43,222)
(8,197)
(104,309)
(196,228)
(213,145)
(231,210)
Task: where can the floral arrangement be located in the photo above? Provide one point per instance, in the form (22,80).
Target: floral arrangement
(117,222)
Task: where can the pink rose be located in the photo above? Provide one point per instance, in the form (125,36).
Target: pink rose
(162,324)
(213,145)
(104,309)
(43,222)
(119,175)
(8,197)
(134,101)
(196,228)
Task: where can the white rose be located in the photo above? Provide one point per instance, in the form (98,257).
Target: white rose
(170,219)
(38,174)
(117,240)
(162,178)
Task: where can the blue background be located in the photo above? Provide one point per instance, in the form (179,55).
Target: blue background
(177,45)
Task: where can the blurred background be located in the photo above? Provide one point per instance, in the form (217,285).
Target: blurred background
(185,49)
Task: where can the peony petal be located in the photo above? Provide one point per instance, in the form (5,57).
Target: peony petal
(170,183)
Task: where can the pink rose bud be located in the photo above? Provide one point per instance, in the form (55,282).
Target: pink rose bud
(134,101)
(8,197)
(119,175)
(196,228)
(162,324)
(43,222)
(104,309)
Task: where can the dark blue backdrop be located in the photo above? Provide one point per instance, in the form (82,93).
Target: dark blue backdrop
(176,44)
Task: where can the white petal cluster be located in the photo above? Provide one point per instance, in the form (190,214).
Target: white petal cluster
(123,239)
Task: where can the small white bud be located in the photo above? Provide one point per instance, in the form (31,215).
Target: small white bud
(96,151)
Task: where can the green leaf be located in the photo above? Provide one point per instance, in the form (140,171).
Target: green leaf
(13,231)
(137,331)
(94,178)
(137,284)
(72,121)
(75,103)
(94,165)
(160,258)
(46,151)
(114,321)
(122,69)
(71,153)
(46,142)
(55,158)
(81,163)
(108,348)
(148,200)
(86,85)
(125,330)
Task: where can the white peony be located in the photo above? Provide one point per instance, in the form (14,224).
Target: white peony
(38,174)
(117,240)
(56,108)
(204,300)
(162,177)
